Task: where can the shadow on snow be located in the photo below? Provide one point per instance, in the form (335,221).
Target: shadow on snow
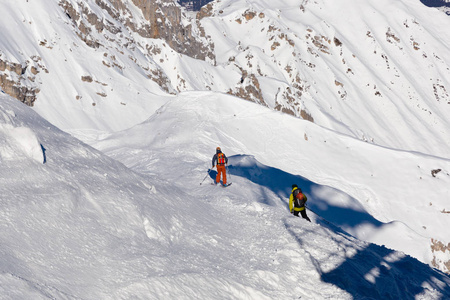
(369,274)
(435,3)
(374,273)
(319,196)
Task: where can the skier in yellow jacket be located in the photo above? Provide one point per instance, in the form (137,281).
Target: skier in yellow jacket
(297,202)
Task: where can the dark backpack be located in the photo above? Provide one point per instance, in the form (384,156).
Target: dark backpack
(299,198)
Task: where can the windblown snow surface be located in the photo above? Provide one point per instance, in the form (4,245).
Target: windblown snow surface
(133,215)
(84,226)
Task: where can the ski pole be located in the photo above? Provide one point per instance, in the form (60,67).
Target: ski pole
(205,177)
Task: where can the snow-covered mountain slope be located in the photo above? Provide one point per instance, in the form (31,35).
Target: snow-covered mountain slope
(83,226)
(376,70)
(82,85)
(377,194)
(72,227)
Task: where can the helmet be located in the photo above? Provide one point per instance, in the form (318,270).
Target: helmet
(218,149)
(294,186)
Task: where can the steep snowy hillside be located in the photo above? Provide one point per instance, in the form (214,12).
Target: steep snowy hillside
(377,194)
(82,226)
(376,70)
(72,227)
(84,65)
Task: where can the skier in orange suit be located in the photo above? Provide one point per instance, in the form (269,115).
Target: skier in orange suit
(221,160)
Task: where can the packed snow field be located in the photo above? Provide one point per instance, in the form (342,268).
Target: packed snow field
(83,225)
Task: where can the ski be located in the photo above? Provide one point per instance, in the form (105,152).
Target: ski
(222,185)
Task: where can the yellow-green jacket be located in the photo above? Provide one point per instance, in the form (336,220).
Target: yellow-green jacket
(292,206)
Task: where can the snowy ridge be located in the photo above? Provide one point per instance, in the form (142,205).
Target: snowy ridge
(327,163)
(84,226)
(377,70)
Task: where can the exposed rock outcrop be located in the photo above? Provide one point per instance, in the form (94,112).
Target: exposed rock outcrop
(436,247)
(161,19)
(15,79)
(166,22)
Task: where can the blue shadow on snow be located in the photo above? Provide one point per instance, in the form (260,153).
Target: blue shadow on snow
(43,153)
(370,273)
(435,3)
(280,183)
(376,272)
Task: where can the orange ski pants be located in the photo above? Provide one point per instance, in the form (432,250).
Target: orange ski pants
(221,170)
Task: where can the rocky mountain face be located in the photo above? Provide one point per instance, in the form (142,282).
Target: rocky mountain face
(297,54)
(273,57)
(266,56)
(164,20)
(116,24)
